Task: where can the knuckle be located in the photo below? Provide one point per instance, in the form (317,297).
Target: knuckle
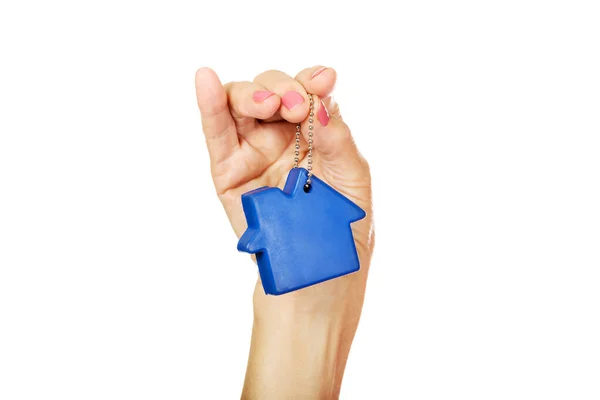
(229,85)
(268,73)
(344,133)
(235,86)
(366,166)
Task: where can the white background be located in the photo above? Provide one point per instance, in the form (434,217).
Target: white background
(119,275)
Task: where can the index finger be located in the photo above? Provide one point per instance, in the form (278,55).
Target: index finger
(217,123)
(294,99)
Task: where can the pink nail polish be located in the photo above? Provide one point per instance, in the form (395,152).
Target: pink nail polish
(323,115)
(261,95)
(317,72)
(292,99)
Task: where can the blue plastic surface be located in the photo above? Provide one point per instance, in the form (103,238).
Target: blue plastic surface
(299,238)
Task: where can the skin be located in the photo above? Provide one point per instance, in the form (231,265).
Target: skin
(300,341)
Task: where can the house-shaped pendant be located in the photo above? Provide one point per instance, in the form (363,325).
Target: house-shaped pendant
(299,238)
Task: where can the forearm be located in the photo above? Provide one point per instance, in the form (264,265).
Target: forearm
(299,356)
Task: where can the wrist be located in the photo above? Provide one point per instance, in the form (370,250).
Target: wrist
(298,354)
(301,340)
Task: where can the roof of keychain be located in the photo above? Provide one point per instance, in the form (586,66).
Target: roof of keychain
(301,236)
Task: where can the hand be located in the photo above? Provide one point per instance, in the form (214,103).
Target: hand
(250,133)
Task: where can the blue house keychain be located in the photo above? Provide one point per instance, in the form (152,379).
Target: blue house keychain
(301,236)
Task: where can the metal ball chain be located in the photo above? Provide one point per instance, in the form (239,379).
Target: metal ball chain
(311,116)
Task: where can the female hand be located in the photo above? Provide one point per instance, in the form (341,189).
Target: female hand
(250,133)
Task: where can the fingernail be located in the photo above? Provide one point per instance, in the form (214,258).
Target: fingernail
(323,115)
(317,72)
(292,99)
(261,95)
